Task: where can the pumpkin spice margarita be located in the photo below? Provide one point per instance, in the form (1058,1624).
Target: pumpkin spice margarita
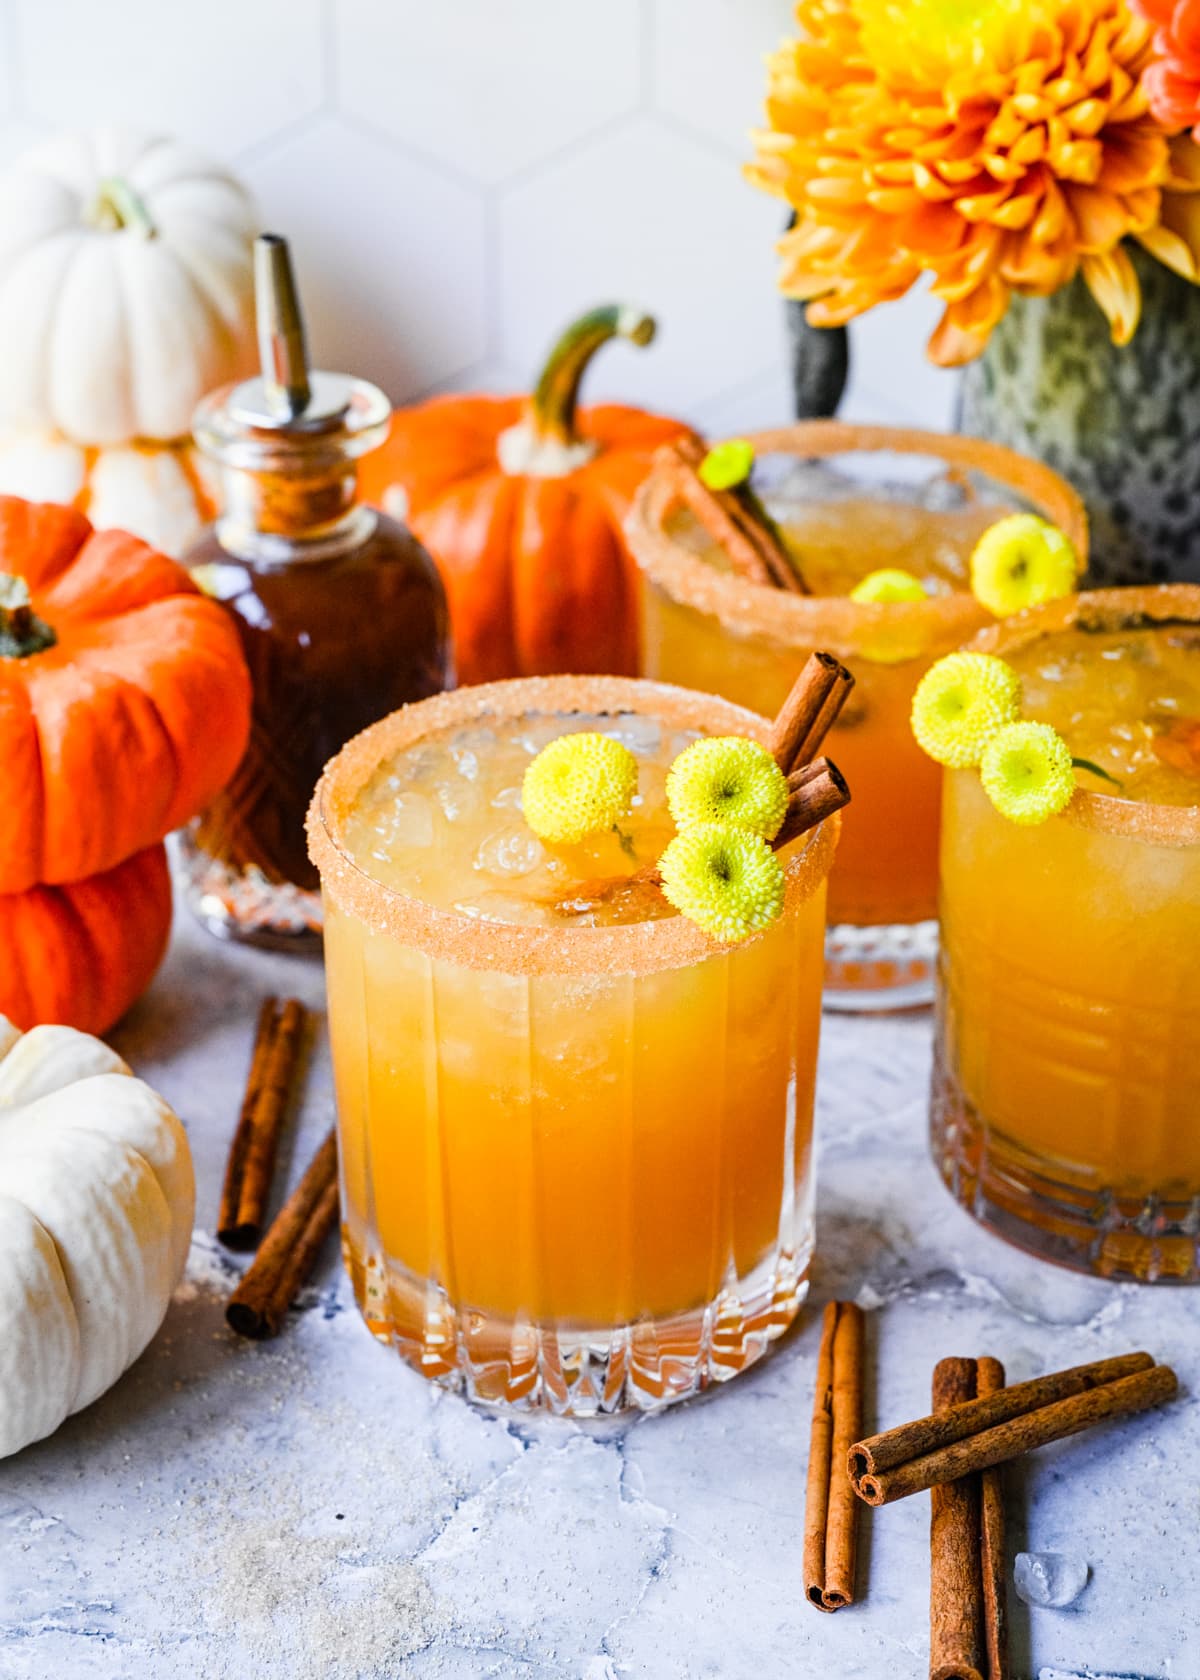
(1067,1060)
(574,1126)
(877,527)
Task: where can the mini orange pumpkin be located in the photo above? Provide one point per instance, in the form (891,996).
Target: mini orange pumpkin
(81,954)
(521,501)
(124,697)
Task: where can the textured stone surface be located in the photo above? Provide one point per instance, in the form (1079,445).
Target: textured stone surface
(309,1509)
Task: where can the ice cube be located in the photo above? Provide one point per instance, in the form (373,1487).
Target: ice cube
(536,731)
(510,851)
(642,735)
(406,821)
(508,799)
(459,800)
(1051,1580)
(465,762)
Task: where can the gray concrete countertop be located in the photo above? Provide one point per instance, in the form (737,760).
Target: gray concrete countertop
(310,1509)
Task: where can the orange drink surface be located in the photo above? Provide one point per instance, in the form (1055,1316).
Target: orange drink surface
(848,501)
(575,1149)
(1068,1061)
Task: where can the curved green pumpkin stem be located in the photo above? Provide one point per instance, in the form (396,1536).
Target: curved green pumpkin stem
(22,632)
(117,206)
(556,396)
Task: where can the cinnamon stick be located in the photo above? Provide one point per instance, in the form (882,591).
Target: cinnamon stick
(252,1158)
(956,1644)
(814,793)
(736,521)
(259,1304)
(996,1427)
(912,1440)
(830,1515)
(989,1379)
(231,1189)
(810,710)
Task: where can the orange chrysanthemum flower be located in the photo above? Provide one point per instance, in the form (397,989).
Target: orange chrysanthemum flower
(1173,80)
(1000,145)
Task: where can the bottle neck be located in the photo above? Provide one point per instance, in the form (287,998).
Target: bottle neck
(281,517)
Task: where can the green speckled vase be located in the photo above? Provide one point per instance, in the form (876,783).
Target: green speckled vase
(1121,423)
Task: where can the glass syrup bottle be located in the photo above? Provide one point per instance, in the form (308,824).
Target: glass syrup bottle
(341,613)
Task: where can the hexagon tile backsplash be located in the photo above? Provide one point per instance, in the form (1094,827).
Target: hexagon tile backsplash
(460,177)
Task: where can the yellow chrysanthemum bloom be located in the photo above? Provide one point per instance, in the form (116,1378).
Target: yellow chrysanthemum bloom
(889,584)
(1022,561)
(996,145)
(959,705)
(1027,772)
(728,779)
(725,879)
(727,464)
(578,785)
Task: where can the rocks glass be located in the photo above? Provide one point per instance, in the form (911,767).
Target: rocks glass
(575,1159)
(849,500)
(1067,1063)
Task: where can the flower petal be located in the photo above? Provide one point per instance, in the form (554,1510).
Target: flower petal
(1113,283)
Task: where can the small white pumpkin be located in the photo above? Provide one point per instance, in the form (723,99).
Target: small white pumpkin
(97,1196)
(162,492)
(126,286)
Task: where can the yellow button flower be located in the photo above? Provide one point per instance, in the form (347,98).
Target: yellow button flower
(578,785)
(1020,562)
(888,585)
(728,779)
(1027,772)
(726,880)
(959,705)
(727,464)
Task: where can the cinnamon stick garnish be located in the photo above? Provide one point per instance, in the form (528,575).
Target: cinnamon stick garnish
(989,1379)
(996,1427)
(259,1304)
(244,1197)
(830,1514)
(814,793)
(736,521)
(956,1644)
(810,711)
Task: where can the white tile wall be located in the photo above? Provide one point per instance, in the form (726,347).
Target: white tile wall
(460,176)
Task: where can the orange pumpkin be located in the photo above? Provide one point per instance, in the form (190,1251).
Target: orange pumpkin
(521,501)
(81,954)
(124,697)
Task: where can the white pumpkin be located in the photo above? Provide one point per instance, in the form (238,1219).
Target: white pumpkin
(162,492)
(126,286)
(97,1196)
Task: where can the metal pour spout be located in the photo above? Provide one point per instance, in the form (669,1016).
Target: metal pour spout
(282,349)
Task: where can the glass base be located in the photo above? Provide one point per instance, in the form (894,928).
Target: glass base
(578,1371)
(243,905)
(1034,1204)
(869,969)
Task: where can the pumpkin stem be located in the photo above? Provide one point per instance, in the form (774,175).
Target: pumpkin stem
(556,395)
(117,206)
(22,632)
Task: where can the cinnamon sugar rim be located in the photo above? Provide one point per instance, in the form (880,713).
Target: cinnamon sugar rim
(511,948)
(1155,606)
(835,621)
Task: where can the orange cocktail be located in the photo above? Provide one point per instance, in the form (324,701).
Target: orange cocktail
(849,500)
(1067,1077)
(575,1150)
